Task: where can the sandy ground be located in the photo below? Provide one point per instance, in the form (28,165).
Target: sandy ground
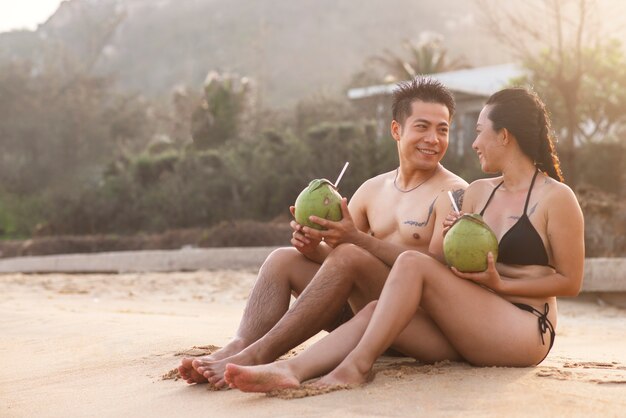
(99,345)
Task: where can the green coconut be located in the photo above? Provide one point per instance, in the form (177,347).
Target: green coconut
(319,198)
(468,242)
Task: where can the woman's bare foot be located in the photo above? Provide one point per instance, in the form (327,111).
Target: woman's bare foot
(264,378)
(346,374)
(213,371)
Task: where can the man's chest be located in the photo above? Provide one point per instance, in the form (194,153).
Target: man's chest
(409,221)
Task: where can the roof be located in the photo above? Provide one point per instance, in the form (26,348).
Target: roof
(482,81)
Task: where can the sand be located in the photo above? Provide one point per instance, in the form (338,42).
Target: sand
(104,345)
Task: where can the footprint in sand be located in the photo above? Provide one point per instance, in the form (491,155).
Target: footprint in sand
(594,365)
(614,376)
(199,350)
(306,390)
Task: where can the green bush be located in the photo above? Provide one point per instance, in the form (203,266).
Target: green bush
(601,165)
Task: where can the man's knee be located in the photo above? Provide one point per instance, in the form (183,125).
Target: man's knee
(288,265)
(349,257)
(281,260)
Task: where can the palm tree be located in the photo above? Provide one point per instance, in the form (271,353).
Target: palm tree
(424,57)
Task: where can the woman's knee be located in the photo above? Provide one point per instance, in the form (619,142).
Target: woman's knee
(411,262)
(413,267)
(416,262)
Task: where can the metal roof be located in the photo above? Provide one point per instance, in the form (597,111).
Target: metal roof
(482,81)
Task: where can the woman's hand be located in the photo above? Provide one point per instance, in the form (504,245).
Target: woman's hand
(343,231)
(489,278)
(450,220)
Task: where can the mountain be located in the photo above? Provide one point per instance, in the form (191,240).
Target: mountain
(293,49)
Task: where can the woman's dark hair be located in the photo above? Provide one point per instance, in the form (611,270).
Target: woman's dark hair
(524,115)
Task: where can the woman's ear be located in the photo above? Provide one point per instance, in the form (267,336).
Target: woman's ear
(506,136)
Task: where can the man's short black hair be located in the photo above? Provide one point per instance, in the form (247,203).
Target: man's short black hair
(421,88)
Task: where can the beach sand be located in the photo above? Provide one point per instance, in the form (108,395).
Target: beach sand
(103,345)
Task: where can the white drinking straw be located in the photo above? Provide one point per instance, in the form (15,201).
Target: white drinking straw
(341,174)
(456,208)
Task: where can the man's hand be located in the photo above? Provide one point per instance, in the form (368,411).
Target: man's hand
(489,278)
(450,220)
(343,231)
(305,245)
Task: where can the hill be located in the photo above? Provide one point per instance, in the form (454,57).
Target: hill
(293,49)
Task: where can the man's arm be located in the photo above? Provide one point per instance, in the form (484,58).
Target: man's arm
(354,228)
(387,252)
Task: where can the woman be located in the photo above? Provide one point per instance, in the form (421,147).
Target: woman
(504,316)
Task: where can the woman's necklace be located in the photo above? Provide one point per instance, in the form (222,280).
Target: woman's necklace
(395,184)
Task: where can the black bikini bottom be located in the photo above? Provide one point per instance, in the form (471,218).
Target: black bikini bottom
(544,323)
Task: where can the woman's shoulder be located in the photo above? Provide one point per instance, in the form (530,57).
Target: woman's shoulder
(559,195)
(480,185)
(555,189)
(477,192)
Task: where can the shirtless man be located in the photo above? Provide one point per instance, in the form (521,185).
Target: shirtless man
(349,262)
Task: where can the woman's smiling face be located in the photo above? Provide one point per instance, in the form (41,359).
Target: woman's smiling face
(488,143)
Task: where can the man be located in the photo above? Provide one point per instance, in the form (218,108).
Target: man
(349,262)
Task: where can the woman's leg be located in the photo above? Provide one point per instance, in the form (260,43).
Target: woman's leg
(315,361)
(484,328)
(327,353)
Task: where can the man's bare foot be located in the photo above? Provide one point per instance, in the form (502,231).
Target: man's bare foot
(264,378)
(346,374)
(188,373)
(213,371)
(191,375)
(235,346)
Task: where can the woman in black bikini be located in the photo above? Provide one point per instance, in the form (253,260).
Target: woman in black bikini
(504,316)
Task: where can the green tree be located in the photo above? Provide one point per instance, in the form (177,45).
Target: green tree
(579,73)
(223,112)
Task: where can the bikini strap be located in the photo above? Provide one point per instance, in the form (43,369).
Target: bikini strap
(490,196)
(532,183)
(544,323)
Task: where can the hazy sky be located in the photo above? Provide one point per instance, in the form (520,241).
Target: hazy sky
(25,14)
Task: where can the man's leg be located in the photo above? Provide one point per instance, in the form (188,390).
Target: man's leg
(348,273)
(284,272)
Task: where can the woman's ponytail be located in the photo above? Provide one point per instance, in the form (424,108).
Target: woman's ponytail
(523,114)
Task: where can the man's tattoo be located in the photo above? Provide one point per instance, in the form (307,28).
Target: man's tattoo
(430,212)
(458,195)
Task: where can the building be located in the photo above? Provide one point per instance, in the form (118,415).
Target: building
(471,88)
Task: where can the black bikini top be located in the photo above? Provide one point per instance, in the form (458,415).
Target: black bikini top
(521,244)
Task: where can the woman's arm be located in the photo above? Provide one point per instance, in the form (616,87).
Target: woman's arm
(565,230)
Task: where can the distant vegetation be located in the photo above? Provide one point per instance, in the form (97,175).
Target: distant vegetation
(80,155)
